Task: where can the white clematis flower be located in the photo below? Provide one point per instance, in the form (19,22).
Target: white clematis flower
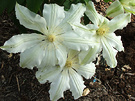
(103,34)
(67,78)
(121,6)
(48,48)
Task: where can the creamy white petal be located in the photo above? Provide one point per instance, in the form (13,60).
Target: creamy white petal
(73,15)
(20,43)
(115,9)
(125,2)
(129,5)
(119,22)
(60,85)
(76,83)
(50,58)
(53,14)
(72,54)
(92,26)
(109,53)
(130,9)
(115,41)
(84,31)
(104,23)
(75,42)
(32,57)
(87,70)
(48,73)
(29,19)
(91,12)
(89,55)
(61,54)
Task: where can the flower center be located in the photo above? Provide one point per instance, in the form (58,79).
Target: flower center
(51,38)
(68,63)
(101,31)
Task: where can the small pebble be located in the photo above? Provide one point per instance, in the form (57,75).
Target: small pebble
(97,0)
(86,92)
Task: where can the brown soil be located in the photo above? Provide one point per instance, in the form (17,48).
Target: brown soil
(118,84)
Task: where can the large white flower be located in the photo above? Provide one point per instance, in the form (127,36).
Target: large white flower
(121,6)
(48,48)
(67,78)
(103,34)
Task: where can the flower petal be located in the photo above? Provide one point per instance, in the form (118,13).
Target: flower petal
(60,85)
(84,31)
(115,41)
(50,58)
(61,54)
(87,70)
(73,54)
(32,57)
(89,55)
(115,9)
(53,14)
(119,22)
(75,42)
(109,53)
(47,73)
(75,13)
(129,5)
(30,19)
(91,12)
(76,84)
(20,43)
(130,9)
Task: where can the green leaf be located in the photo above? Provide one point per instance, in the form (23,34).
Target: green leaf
(3,5)
(20,1)
(59,2)
(34,5)
(75,1)
(21,28)
(67,4)
(85,1)
(11,5)
(86,20)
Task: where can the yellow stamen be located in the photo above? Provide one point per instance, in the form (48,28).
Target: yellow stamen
(51,38)
(102,31)
(68,63)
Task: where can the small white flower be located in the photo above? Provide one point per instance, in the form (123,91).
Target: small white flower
(50,47)
(103,33)
(67,78)
(121,6)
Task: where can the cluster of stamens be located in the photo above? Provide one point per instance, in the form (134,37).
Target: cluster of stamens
(68,64)
(102,31)
(51,38)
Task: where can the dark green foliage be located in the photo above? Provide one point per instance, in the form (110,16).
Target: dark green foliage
(3,5)
(86,20)
(37,5)
(34,5)
(9,5)
(68,3)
